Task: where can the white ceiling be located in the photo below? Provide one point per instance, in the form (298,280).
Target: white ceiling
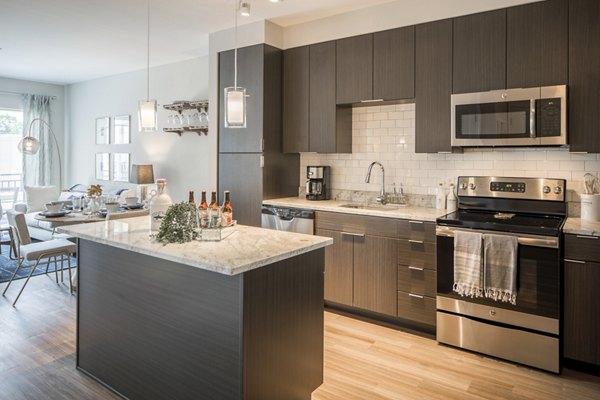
(67,41)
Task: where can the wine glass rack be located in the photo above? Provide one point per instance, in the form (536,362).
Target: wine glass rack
(180,107)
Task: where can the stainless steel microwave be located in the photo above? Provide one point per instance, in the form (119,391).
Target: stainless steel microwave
(511,117)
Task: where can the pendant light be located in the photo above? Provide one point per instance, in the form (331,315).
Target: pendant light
(147,113)
(235,97)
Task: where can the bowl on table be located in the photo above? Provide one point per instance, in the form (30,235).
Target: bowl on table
(112,207)
(54,207)
(131,201)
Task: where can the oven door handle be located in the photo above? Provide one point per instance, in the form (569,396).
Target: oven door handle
(525,240)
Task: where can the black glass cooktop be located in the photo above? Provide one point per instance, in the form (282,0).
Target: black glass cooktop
(548,225)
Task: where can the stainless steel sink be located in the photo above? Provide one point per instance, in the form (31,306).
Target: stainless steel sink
(373,207)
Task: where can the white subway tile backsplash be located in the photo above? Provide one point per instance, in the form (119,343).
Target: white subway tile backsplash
(386,133)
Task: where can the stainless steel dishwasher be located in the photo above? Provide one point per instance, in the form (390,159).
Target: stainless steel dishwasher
(288,219)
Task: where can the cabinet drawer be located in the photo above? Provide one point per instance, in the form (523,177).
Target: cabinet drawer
(580,247)
(416,280)
(416,253)
(416,308)
(361,224)
(416,230)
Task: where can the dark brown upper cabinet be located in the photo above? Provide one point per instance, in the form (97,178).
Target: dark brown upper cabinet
(537,44)
(354,69)
(433,86)
(251,72)
(584,76)
(311,120)
(330,127)
(296,99)
(479,57)
(394,64)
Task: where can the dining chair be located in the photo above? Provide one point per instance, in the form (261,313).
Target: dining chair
(31,255)
(5,230)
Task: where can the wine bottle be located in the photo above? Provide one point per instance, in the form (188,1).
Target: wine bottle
(191,198)
(203,208)
(213,209)
(227,214)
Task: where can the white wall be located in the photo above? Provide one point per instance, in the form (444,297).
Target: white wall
(183,161)
(387,134)
(13,101)
(385,16)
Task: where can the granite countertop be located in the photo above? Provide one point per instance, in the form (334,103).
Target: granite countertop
(245,249)
(402,212)
(578,226)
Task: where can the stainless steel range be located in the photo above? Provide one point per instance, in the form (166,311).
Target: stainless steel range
(532,211)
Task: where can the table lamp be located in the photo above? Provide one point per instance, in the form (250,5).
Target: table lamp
(142,174)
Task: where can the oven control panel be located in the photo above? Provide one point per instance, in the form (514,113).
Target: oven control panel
(512,188)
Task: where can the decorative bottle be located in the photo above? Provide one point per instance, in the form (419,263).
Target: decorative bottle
(213,211)
(159,204)
(191,199)
(440,197)
(451,201)
(203,209)
(227,214)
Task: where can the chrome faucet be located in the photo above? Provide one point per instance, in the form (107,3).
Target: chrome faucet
(382,197)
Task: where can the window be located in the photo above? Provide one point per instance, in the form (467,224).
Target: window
(11,160)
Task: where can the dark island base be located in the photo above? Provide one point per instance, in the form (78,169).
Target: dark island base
(155,329)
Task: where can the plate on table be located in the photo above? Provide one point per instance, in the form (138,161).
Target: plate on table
(132,206)
(58,214)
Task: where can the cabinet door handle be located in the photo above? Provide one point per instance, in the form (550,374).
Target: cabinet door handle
(417,296)
(415,268)
(353,234)
(415,222)
(415,241)
(587,237)
(574,261)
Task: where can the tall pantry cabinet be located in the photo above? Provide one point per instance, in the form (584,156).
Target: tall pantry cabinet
(251,160)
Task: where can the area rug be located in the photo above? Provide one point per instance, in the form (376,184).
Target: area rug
(8,266)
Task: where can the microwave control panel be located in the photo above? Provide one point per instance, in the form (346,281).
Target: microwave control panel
(548,118)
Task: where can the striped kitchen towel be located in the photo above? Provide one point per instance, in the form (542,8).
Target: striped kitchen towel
(500,267)
(468,266)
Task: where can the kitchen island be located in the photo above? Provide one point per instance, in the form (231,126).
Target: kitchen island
(237,319)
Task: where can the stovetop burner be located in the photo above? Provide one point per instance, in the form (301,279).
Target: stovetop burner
(547,225)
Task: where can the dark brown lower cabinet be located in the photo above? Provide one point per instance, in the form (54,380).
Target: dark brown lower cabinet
(372,267)
(339,271)
(375,274)
(581,299)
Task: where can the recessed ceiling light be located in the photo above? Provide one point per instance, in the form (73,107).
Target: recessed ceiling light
(276,1)
(245,9)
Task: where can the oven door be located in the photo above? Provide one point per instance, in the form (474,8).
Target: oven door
(538,285)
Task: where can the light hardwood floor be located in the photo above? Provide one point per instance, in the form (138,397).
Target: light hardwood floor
(362,360)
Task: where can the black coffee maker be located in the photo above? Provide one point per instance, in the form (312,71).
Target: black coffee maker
(317,185)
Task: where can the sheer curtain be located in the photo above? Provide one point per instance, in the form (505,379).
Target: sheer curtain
(39,169)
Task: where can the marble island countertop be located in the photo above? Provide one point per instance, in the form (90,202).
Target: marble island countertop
(578,226)
(245,249)
(392,211)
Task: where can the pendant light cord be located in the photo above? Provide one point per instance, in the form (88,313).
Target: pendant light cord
(148,55)
(235,45)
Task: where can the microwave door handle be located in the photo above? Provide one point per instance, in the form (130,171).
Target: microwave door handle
(532,124)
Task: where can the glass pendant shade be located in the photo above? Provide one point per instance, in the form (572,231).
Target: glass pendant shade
(29,145)
(235,107)
(147,116)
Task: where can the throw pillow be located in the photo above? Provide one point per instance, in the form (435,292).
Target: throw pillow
(38,196)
